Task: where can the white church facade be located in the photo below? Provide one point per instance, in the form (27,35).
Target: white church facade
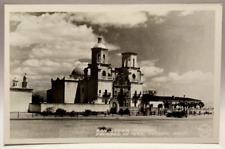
(101,84)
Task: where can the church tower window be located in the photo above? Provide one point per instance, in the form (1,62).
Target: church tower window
(99,57)
(103,58)
(133,76)
(103,73)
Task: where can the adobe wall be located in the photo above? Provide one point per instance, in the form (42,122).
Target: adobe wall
(34,107)
(19,100)
(76,107)
(70,91)
(58,91)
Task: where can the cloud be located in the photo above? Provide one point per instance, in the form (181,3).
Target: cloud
(79,67)
(193,84)
(48,45)
(149,69)
(186,12)
(191,77)
(118,19)
(40,72)
(160,79)
(158,12)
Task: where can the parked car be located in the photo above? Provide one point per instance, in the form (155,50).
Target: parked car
(178,114)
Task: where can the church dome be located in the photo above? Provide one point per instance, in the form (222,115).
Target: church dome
(99,44)
(77,72)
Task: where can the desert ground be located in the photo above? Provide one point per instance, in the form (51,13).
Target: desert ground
(116,126)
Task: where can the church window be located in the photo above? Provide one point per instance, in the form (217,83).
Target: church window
(99,91)
(99,57)
(103,73)
(133,62)
(133,76)
(104,58)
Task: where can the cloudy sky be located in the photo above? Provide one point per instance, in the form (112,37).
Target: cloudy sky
(175,48)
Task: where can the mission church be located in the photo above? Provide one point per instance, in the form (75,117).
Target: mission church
(100,83)
(100,88)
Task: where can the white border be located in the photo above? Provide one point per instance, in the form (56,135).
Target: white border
(137,7)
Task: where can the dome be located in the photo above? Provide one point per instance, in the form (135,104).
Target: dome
(99,44)
(77,72)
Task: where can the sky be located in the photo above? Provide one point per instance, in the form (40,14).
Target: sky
(175,48)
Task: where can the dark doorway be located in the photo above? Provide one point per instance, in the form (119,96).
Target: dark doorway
(114,108)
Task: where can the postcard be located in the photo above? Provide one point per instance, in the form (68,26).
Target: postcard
(112,73)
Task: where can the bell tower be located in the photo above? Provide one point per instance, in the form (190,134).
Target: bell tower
(99,52)
(99,63)
(129,59)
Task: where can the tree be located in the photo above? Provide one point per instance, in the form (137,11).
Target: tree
(201,105)
(60,112)
(148,96)
(167,104)
(159,107)
(37,98)
(193,104)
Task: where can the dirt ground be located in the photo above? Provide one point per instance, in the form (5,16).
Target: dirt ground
(117,126)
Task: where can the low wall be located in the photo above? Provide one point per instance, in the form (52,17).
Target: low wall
(69,107)
(34,108)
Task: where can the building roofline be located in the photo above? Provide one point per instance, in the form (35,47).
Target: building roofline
(161,98)
(21,89)
(132,53)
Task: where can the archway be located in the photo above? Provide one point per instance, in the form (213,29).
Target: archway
(114,106)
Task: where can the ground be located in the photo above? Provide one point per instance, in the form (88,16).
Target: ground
(116,126)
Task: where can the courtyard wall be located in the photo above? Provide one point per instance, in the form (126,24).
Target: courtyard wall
(70,107)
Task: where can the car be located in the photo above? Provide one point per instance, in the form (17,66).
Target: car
(178,114)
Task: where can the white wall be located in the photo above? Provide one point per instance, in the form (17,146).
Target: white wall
(138,88)
(156,103)
(76,107)
(103,85)
(19,100)
(34,107)
(70,92)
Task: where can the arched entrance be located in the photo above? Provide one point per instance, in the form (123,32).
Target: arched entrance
(114,106)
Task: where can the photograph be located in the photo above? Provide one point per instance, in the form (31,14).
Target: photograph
(112,73)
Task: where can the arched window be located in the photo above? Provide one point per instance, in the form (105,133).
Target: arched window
(133,63)
(103,73)
(133,76)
